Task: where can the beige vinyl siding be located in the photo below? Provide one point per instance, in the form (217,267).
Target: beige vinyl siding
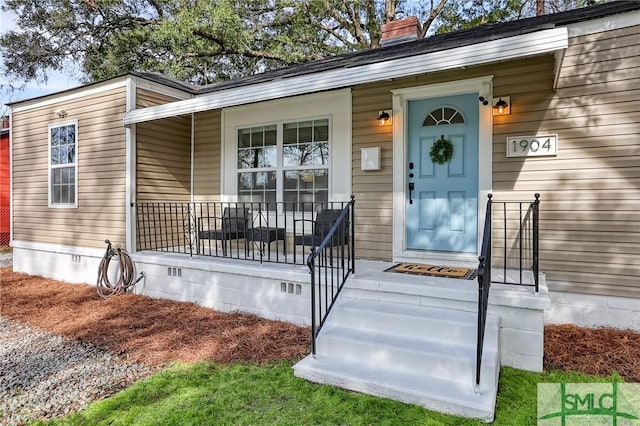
(208,156)
(163,175)
(147,98)
(590,192)
(163,159)
(101,172)
(163,153)
(164,168)
(374,189)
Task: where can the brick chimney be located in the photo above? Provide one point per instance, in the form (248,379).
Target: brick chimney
(5,122)
(399,31)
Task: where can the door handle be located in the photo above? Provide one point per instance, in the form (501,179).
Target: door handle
(411,188)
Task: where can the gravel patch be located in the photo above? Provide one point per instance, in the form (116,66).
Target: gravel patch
(6,260)
(44,376)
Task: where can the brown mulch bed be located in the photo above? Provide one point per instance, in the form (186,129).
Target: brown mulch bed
(142,329)
(155,331)
(597,351)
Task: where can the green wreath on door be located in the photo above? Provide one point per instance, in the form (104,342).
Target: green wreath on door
(441,151)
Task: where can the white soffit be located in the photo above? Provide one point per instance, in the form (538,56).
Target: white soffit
(524,45)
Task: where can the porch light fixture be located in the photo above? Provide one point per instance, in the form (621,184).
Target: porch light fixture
(384,118)
(502,106)
(61,113)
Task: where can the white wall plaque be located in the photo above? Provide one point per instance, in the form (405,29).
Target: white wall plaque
(532,146)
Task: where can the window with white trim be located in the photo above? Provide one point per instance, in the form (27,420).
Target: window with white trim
(63,166)
(286,161)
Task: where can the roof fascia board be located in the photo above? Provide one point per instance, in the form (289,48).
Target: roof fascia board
(524,45)
(607,23)
(67,97)
(559,58)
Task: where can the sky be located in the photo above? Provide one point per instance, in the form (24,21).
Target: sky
(56,81)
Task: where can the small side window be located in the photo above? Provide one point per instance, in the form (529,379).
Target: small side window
(63,164)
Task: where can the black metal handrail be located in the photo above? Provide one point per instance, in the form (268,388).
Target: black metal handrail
(330,265)
(258,231)
(526,244)
(484,284)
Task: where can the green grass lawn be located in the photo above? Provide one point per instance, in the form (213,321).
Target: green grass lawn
(213,394)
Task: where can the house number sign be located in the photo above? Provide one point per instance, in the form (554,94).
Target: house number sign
(532,146)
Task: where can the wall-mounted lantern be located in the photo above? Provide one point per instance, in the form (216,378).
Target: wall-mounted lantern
(502,106)
(384,118)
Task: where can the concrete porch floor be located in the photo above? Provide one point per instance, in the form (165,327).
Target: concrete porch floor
(369,274)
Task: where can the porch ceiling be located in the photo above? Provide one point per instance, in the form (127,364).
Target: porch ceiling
(519,46)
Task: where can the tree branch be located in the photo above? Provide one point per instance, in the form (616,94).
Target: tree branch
(225,49)
(389,11)
(354,12)
(157,7)
(432,16)
(335,15)
(337,35)
(374,30)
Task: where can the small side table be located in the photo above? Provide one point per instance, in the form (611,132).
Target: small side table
(266,235)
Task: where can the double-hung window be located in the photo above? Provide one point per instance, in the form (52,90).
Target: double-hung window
(257,164)
(63,165)
(285,162)
(295,150)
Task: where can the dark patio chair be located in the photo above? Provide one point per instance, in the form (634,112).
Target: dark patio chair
(321,226)
(233,225)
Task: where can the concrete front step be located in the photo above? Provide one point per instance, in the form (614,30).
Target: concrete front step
(409,320)
(421,356)
(443,395)
(416,354)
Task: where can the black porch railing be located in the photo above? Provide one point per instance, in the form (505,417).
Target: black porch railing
(484,284)
(330,265)
(280,232)
(516,241)
(519,246)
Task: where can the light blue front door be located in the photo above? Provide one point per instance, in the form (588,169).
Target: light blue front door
(442,199)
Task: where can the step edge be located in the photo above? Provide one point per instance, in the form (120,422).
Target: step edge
(331,331)
(486,405)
